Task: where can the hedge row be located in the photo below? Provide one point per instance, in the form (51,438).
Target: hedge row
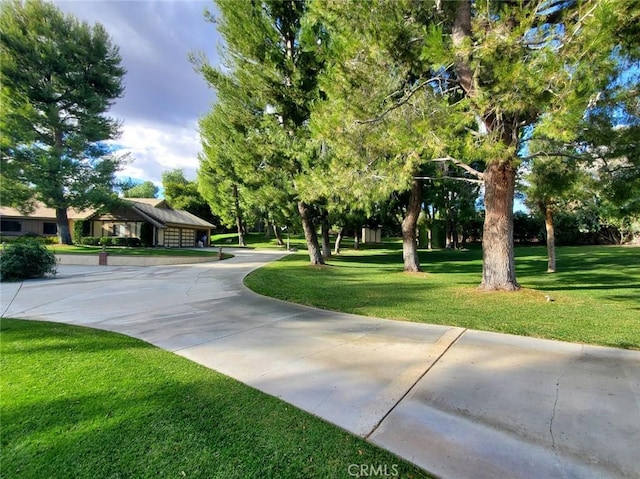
(110,241)
(29,237)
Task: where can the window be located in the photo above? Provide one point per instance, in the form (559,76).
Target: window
(119,229)
(49,229)
(12,226)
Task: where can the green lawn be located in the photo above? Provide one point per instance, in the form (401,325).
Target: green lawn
(596,291)
(258,240)
(123,251)
(82,403)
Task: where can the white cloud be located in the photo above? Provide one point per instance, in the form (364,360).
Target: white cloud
(155,148)
(164,97)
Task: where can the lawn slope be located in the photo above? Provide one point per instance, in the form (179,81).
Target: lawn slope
(82,403)
(595,295)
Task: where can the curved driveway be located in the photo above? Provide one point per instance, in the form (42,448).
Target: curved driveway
(459,403)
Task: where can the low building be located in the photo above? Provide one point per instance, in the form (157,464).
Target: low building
(137,217)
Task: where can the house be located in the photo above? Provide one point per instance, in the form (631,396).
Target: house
(137,217)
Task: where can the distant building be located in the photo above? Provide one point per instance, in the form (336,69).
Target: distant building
(170,228)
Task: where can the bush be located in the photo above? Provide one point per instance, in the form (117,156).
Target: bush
(106,241)
(9,239)
(26,260)
(78,231)
(117,241)
(527,228)
(90,241)
(122,241)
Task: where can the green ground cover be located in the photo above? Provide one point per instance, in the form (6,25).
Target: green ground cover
(77,402)
(596,291)
(258,240)
(124,251)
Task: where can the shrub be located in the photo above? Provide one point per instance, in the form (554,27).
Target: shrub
(117,241)
(134,242)
(29,237)
(122,241)
(9,239)
(49,240)
(527,228)
(78,231)
(90,241)
(106,241)
(26,260)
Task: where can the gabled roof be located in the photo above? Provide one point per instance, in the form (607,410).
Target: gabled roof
(155,202)
(162,213)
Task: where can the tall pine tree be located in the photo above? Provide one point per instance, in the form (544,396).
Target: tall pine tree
(471,78)
(59,78)
(272,59)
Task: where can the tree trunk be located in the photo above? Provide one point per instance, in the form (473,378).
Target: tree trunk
(326,241)
(276,232)
(430,236)
(498,265)
(450,241)
(465,237)
(336,247)
(356,239)
(62,222)
(267,230)
(409,223)
(315,254)
(239,223)
(551,239)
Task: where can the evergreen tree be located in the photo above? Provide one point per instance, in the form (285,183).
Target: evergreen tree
(59,78)
(470,79)
(224,154)
(549,185)
(145,189)
(183,194)
(272,59)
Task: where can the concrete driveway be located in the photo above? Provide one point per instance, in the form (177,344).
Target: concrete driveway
(458,403)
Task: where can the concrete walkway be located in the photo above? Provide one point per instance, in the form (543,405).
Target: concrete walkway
(458,403)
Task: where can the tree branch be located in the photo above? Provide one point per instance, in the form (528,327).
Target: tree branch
(405,99)
(457,178)
(461,164)
(558,153)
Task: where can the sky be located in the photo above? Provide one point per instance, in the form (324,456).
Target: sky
(164,97)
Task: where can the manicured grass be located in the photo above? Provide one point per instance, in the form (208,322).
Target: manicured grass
(596,291)
(123,251)
(82,403)
(258,240)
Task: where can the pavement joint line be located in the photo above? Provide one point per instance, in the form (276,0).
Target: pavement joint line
(12,299)
(555,402)
(237,332)
(433,363)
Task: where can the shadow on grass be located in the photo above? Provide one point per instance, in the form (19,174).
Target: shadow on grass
(142,412)
(372,283)
(63,338)
(579,268)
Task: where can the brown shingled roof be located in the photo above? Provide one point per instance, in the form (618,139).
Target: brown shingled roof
(42,212)
(159,210)
(156,210)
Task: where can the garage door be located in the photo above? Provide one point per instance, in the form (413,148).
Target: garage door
(172,237)
(188,238)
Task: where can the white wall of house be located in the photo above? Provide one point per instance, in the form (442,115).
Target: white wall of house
(128,229)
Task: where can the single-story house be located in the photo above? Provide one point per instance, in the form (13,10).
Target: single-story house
(166,226)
